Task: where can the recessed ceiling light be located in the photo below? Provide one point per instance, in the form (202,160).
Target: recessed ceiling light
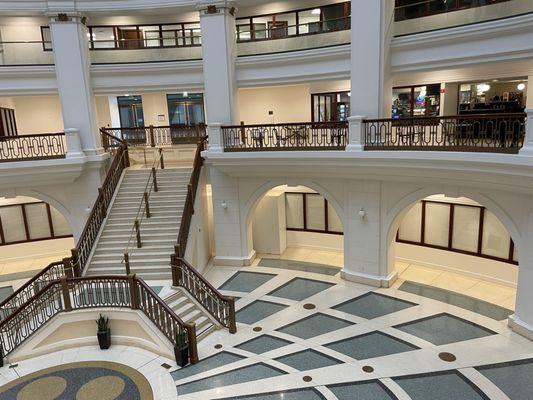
(521,86)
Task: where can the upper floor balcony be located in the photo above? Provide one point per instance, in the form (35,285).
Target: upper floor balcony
(27,41)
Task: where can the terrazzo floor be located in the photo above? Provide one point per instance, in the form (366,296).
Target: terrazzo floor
(303,334)
(306,334)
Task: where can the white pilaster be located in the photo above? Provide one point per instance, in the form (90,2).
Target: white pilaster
(72,65)
(371,81)
(527,149)
(219,48)
(522,320)
(356,133)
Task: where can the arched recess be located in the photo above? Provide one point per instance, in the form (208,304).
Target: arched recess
(396,214)
(250,205)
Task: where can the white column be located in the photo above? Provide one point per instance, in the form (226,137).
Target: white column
(371,82)
(72,64)
(113,111)
(522,320)
(219,48)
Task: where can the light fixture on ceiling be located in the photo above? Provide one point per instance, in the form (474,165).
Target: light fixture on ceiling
(483,87)
(521,86)
(349,94)
(185,94)
(316,11)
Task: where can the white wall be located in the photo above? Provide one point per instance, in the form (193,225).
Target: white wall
(269,225)
(38,114)
(317,241)
(44,248)
(103,112)
(155,104)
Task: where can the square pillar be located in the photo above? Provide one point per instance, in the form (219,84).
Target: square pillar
(371,80)
(72,65)
(219,48)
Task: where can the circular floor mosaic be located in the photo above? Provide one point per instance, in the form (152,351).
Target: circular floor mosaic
(80,381)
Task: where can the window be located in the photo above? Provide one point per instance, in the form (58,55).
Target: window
(8,124)
(328,107)
(468,229)
(416,101)
(311,212)
(131,112)
(409,9)
(186,108)
(495,96)
(299,22)
(26,222)
(127,37)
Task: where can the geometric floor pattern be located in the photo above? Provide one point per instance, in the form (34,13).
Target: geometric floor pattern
(351,342)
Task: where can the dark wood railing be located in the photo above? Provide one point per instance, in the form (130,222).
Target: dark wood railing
(152,136)
(499,133)
(80,254)
(73,266)
(222,308)
(30,288)
(42,146)
(424,8)
(283,137)
(68,294)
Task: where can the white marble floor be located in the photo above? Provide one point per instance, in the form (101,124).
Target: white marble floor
(504,344)
(502,295)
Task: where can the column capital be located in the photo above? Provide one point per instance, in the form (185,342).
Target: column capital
(62,17)
(224,7)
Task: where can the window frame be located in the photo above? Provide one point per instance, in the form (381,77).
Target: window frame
(305,216)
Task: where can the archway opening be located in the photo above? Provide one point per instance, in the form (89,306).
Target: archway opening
(33,234)
(296,227)
(458,251)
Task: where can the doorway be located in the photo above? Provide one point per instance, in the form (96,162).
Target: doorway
(131,111)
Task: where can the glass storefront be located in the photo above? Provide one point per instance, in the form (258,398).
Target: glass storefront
(416,101)
(131,111)
(186,108)
(495,96)
(330,107)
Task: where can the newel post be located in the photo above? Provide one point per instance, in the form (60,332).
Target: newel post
(356,133)
(527,149)
(134,298)
(67,306)
(215,137)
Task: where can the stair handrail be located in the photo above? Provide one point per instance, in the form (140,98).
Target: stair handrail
(67,294)
(151,184)
(85,244)
(74,265)
(184,275)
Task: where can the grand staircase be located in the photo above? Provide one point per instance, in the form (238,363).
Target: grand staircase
(158,237)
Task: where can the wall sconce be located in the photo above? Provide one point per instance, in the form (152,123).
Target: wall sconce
(362,213)
(224,205)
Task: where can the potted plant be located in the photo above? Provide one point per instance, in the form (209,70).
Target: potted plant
(181,349)
(104,332)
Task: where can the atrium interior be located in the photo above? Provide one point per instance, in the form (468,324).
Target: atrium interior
(266,200)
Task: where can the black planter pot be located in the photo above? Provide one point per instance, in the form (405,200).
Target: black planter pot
(104,339)
(182,355)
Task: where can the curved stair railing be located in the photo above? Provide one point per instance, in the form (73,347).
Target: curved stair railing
(221,307)
(68,294)
(73,266)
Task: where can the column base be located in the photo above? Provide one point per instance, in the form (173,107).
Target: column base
(354,147)
(526,151)
(235,261)
(370,280)
(520,327)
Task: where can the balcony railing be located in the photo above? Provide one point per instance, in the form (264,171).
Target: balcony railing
(32,147)
(499,133)
(284,137)
(152,136)
(424,8)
